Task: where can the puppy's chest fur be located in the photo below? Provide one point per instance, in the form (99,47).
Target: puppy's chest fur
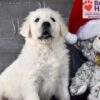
(51,64)
(48,63)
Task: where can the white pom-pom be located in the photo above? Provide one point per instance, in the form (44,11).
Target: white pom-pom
(71,38)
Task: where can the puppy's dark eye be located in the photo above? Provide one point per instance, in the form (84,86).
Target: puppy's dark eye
(37,19)
(53,19)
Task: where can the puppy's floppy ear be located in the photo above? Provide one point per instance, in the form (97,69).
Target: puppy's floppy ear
(25,28)
(63,28)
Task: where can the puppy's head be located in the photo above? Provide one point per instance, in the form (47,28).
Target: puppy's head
(43,25)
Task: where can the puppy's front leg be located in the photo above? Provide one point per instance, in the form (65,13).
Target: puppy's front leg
(29,91)
(32,96)
(62,87)
(62,91)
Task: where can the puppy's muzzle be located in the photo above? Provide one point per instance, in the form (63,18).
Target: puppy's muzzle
(46,33)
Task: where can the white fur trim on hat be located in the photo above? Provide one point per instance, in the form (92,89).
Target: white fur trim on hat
(71,38)
(89,30)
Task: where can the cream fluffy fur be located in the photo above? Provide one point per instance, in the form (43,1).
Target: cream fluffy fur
(42,68)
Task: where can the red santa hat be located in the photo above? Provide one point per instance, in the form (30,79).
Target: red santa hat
(79,27)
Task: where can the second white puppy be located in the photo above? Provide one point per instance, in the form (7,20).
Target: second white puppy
(42,68)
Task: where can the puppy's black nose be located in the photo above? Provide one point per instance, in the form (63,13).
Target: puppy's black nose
(46,25)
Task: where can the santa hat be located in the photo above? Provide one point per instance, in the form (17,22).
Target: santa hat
(80,28)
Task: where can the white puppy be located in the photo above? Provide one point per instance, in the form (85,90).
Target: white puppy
(42,68)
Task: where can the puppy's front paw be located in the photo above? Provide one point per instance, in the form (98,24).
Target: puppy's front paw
(66,97)
(78,90)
